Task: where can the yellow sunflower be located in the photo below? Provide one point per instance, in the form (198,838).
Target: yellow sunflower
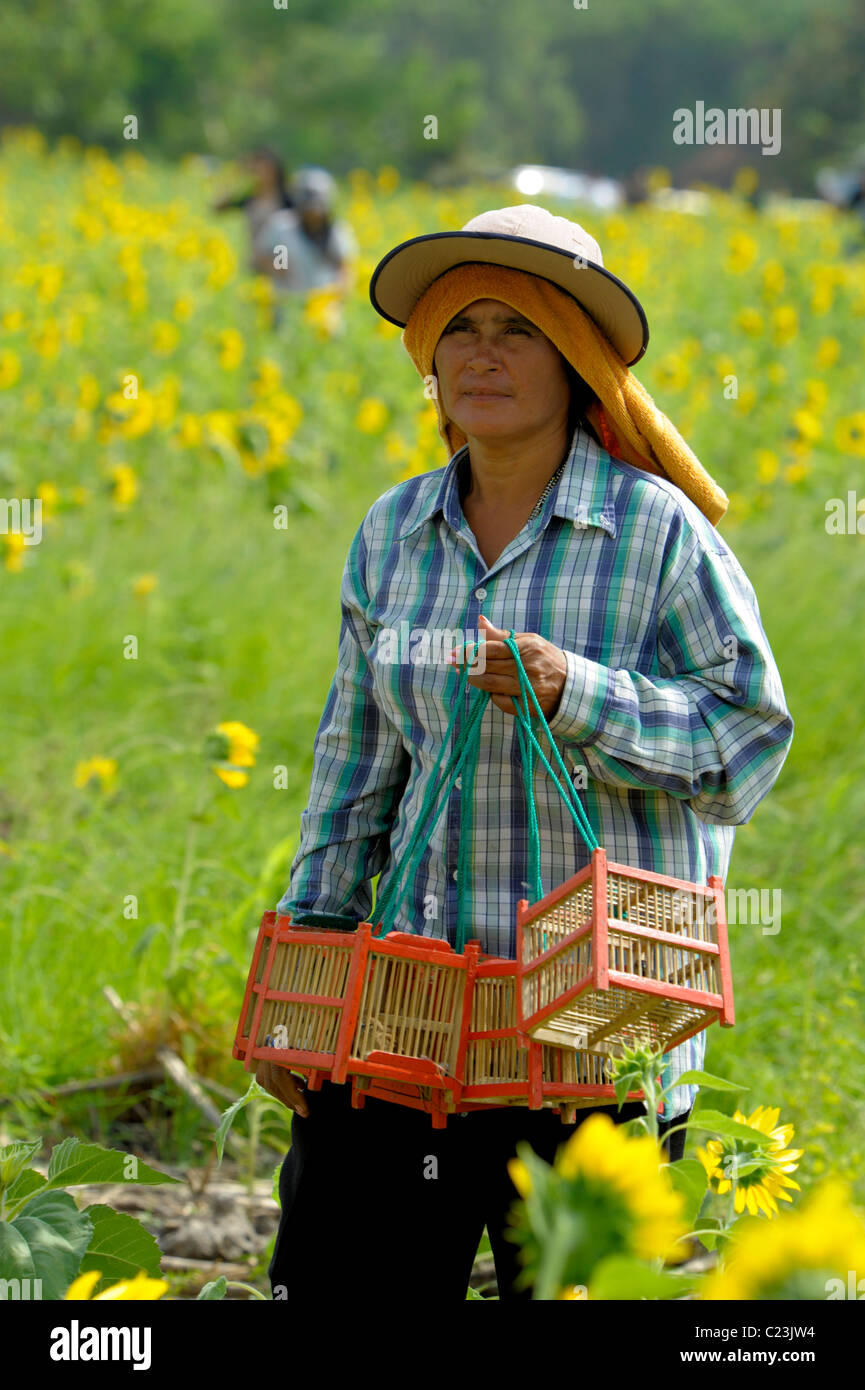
(97,770)
(850,433)
(128,1290)
(125,482)
(232,748)
(624,1204)
(805,1254)
(828,352)
(323,310)
(785,322)
(768,1159)
(371,415)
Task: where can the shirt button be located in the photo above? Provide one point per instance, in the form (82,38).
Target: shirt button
(480,593)
(579,523)
(454,875)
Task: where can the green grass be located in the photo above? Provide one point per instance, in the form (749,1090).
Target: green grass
(799,1041)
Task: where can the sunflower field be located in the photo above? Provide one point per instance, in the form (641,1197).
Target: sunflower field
(202,463)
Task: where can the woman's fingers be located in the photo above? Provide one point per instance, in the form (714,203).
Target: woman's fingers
(494,681)
(280,1083)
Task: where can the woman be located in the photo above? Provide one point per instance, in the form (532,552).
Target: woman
(642,640)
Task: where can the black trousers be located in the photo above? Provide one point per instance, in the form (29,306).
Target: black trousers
(376,1201)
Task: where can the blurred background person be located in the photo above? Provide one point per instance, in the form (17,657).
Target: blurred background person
(845,189)
(310,248)
(306,250)
(267,196)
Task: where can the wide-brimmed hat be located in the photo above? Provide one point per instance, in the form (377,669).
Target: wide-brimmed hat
(526,238)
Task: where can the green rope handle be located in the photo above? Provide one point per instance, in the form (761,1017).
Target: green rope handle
(463,760)
(439,783)
(569,796)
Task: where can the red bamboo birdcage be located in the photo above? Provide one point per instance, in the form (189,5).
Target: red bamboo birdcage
(345,1004)
(619,956)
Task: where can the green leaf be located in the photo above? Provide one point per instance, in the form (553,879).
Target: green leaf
(626,1081)
(621,1277)
(472,1294)
(119,1248)
(738,1166)
(145,939)
(556,1247)
(688,1176)
(274,1192)
(708,1233)
(22,1190)
(45,1242)
(15,1259)
(708,1081)
(14,1159)
(74,1163)
(716,1123)
(215,1289)
(255,1092)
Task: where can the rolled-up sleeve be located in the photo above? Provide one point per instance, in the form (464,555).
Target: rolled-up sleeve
(360,770)
(710,726)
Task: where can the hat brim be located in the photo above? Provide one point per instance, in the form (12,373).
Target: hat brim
(406,272)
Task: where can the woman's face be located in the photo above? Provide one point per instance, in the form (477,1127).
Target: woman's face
(498,375)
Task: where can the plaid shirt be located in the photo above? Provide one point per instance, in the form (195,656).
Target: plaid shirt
(672,703)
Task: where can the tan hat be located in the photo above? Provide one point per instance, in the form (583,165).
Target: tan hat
(525,238)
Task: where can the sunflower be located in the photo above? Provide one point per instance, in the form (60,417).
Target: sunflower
(231,349)
(10,368)
(799,1256)
(323,310)
(232,748)
(605,1195)
(96,770)
(759,1169)
(807,425)
(850,433)
(128,1290)
(785,322)
(673,372)
(750,320)
(773,278)
(828,352)
(125,483)
(742,252)
(144,584)
(372,415)
(768,464)
(14,543)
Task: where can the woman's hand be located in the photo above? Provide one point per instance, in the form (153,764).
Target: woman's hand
(544,663)
(279,1082)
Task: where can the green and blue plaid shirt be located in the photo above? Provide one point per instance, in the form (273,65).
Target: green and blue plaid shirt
(672,704)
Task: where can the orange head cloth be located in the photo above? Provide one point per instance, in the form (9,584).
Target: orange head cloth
(627,420)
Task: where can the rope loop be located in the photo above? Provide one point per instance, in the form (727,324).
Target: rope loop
(463,762)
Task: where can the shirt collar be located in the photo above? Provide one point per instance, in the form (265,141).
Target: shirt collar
(583,494)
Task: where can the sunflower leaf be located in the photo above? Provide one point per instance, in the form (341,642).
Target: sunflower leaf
(621,1278)
(709,1082)
(688,1176)
(715,1123)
